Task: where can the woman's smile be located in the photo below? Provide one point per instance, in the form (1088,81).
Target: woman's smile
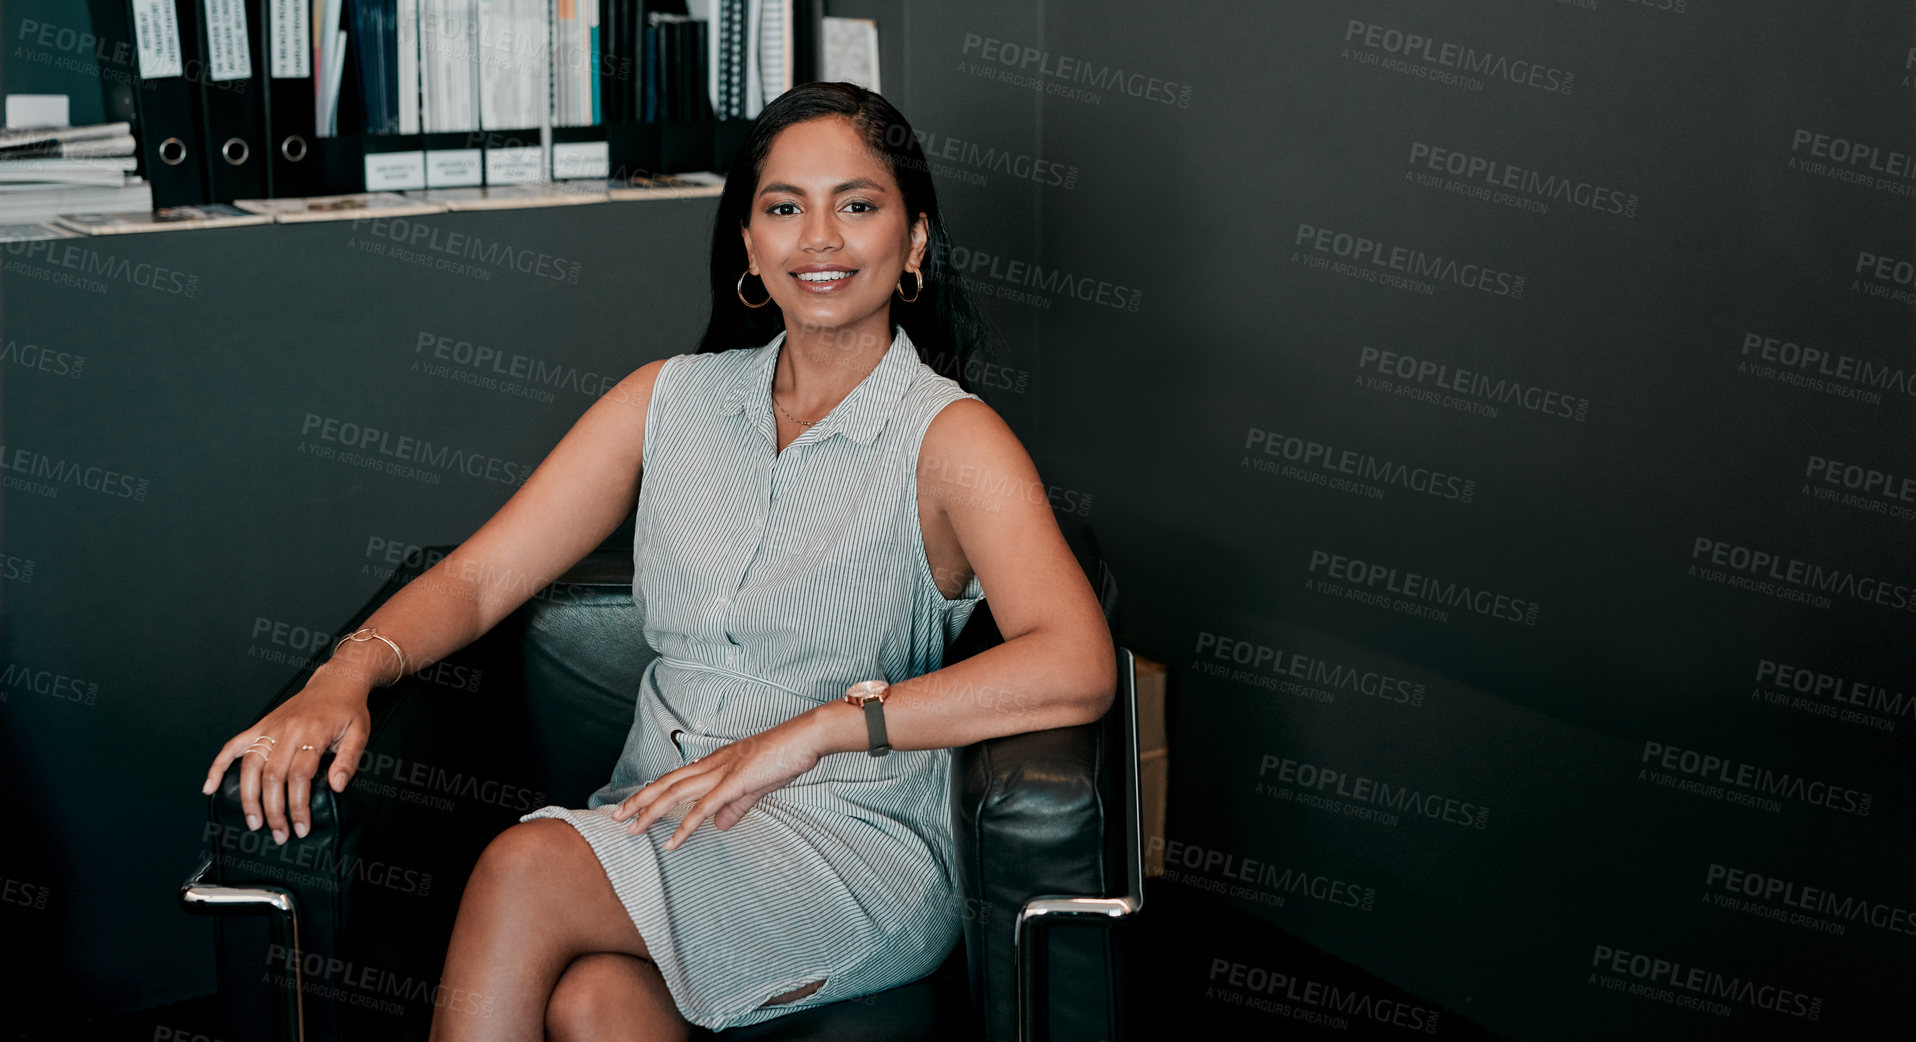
(823,279)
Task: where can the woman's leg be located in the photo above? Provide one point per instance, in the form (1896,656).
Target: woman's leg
(602,996)
(537,900)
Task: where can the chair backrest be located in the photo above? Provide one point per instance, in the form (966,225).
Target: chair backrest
(980,633)
(1104,583)
(584,654)
(1123,846)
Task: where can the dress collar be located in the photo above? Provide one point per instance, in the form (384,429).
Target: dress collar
(860,415)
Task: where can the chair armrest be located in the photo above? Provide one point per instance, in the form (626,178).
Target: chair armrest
(419,728)
(1031,821)
(375,883)
(1048,834)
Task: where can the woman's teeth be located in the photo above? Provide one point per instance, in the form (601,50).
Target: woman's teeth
(823,276)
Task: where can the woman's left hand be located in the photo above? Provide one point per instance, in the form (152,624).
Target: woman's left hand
(725,783)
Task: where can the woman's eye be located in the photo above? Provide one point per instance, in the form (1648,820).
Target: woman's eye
(861,205)
(782,209)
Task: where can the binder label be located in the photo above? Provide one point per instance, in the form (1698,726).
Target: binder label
(580,159)
(395,171)
(157,29)
(291,44)
(513,166)
(453,168)
(227,55)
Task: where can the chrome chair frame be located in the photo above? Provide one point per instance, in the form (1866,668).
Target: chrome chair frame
(1046,910)
(201,896)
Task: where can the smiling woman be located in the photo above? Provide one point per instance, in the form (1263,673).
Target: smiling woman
(823,506)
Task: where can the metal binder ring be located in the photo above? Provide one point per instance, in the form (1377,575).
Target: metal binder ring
(234,151)
(172,151)
(293,148)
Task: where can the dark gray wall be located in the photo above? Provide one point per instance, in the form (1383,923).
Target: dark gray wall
(1636,307)
(51,49)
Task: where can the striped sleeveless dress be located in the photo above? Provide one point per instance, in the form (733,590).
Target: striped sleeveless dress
(769,582)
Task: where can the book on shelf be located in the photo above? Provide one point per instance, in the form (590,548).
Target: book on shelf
(107,171)
(29,140)
(353,206)
(164,219)
(515,197)
(666,186)
(123,145)
(31,231)
(43,202)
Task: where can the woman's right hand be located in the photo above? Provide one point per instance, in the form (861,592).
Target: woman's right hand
(328,713)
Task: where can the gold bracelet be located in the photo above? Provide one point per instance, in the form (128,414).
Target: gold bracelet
(366,633)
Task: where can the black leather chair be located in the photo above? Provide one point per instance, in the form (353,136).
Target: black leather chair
(342,935)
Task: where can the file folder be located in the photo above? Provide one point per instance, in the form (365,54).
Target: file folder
(454,159)
(728,136)
(293,166)
(167,103)
(394,155)
(580,152)
(513,156)
(231,95)
(633,150)
(807,33)
(394,163)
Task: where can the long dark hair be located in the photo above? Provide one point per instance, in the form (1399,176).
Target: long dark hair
(942,322)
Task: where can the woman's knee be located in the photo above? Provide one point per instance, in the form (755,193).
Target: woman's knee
(576,1008)
(543,875)
(528,853)
(607,995)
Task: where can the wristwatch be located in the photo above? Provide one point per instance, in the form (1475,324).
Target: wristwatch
(871,695)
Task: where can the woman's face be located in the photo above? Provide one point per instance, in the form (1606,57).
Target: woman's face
(827,230)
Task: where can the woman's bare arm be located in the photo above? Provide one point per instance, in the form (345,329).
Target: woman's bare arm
(579,494)
(1057,666)
(583,490)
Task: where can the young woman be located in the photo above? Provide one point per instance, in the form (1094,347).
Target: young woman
(823,507)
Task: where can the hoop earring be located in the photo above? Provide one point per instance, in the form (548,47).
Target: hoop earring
(741,291)
(919,287)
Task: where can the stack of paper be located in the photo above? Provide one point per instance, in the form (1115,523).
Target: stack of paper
(48,171)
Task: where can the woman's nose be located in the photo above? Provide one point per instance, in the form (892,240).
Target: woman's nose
(820,232)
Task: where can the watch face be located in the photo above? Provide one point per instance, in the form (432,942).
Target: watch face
(867,690)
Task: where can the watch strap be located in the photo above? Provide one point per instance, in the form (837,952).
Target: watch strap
(875,727)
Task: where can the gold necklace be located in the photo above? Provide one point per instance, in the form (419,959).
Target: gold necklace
(794,419)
